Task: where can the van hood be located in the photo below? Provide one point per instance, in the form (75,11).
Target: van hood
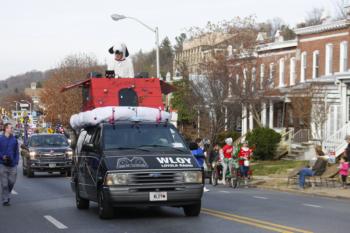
(154,161)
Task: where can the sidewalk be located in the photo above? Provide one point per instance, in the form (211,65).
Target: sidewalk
(280,184)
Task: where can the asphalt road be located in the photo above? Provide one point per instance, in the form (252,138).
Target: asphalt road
(46,204)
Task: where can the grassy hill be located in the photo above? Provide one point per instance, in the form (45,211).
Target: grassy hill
(17,84)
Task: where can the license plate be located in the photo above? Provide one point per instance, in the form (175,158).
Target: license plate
(52,165)
(158,196)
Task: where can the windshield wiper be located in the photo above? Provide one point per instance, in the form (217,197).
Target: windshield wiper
(163,146)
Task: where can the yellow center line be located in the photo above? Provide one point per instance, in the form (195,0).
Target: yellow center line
(252,221)
(247,222)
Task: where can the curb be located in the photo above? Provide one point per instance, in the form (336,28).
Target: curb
(303,193)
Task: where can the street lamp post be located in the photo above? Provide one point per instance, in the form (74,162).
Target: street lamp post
(117,17)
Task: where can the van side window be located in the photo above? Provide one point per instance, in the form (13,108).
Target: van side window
(80,141)
(128,97)
(96,137)
(88,137)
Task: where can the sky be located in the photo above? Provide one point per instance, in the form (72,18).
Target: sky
(38,34)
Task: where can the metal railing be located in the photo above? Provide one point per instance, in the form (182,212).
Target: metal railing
(336,142)
(302,135)
(286,138)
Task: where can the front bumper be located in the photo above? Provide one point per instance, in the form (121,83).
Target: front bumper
(50,165)
(140,195)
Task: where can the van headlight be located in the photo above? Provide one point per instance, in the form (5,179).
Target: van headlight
(116,179)
(193,177)
(32,155)
(69,154)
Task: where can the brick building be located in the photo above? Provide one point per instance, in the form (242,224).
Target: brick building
(318,56)
(283,70)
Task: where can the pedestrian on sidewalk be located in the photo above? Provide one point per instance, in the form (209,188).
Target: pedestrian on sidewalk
(343,170)
(9,157)
(318,169)
(214,154)
(227,151)
(198,153)
(244,156)
(347,150)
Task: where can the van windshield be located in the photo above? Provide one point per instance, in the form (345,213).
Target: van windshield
(141,135)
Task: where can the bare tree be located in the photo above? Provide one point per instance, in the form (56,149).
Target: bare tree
(339,10)
(215,80)
(58,107)
(310,109)
(8,101)
(313,17)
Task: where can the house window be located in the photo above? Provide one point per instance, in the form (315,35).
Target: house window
(253,79)
(343,56)
(303,67)
(329,59)
(315,64)
(271,76)
(281,77)
(292,73)
(262,71)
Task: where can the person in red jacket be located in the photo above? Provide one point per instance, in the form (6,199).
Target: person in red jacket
(244,156)
(227,151)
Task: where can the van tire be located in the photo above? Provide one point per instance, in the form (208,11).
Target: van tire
(81,203)
(105,210)
(192,210)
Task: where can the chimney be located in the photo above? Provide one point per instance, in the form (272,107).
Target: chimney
(278,36)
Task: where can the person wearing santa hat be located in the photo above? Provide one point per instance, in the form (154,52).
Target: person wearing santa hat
(122,64)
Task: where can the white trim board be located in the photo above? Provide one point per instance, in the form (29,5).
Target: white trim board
(325,37)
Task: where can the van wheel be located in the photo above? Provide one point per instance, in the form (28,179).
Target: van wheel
(192,210)
(105,210)
(81,203)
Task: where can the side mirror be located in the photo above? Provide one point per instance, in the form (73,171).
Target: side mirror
(88,147)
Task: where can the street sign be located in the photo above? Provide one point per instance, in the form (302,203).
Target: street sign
(24,105)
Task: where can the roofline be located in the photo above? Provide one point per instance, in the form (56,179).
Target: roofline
(277,45)
(334,25)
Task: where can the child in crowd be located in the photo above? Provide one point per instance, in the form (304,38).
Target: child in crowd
(343,170)
(244,156)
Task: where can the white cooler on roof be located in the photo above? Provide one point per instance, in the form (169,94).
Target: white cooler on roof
(106,114)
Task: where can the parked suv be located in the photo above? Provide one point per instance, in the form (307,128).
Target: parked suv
(135,164)
(46,153)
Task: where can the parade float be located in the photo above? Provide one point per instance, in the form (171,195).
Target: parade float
(112,99)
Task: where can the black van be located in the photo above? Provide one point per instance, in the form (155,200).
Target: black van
(135,164)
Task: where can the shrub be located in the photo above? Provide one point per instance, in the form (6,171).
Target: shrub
(265,140)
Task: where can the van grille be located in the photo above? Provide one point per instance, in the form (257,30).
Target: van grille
(48,156)
(156,178)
